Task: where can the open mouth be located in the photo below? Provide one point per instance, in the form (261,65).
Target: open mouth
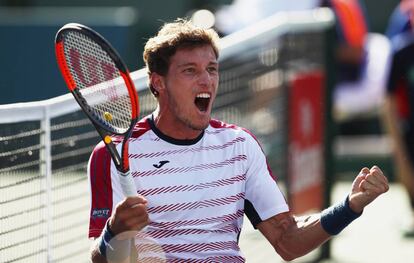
(202,101)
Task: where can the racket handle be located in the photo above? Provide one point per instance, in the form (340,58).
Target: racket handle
(127,184)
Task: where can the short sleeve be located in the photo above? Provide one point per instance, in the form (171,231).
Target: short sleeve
(263,196)
(101,203)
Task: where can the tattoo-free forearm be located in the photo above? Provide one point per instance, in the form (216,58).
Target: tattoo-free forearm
(293,237)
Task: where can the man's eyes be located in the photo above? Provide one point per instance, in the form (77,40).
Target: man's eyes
(212,69)
(194,70)
(189,70)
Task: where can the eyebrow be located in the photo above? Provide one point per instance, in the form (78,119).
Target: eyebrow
(194,64)
(186,64)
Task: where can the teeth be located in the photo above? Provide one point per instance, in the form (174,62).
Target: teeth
(203,96)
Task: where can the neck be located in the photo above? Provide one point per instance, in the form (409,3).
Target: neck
(174,128)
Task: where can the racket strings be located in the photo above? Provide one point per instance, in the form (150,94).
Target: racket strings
(98,81)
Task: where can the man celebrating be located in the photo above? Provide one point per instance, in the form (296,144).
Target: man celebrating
(196,177)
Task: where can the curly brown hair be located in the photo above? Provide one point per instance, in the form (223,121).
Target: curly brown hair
(173,36)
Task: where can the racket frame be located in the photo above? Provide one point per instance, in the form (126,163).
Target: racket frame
(121,161)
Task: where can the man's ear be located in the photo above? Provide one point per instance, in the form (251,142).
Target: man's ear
(157,83)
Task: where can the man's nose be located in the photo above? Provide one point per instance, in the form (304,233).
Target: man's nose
(204,78)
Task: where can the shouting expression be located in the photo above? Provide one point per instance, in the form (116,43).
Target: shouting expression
(187,92)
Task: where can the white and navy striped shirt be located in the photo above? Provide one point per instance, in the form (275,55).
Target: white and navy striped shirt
(197,191)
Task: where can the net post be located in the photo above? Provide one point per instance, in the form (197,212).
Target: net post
(46,170)
(329,133)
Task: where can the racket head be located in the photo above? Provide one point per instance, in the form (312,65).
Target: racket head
(97,77)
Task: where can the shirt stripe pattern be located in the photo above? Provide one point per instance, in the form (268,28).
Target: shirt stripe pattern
(196,193)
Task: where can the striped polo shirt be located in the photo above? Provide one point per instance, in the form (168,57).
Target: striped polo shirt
(197,191)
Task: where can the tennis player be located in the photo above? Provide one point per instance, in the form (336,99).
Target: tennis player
(196,177)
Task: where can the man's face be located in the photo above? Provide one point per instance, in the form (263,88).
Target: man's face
(190,88)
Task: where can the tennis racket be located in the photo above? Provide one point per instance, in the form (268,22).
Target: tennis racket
(100,82)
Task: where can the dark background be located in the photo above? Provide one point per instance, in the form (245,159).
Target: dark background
(28,27)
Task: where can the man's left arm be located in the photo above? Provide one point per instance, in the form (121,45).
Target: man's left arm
(293,237)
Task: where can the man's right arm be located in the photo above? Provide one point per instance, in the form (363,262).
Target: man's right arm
(117,238)
(96,256)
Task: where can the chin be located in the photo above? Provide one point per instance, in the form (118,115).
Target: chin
(201,124)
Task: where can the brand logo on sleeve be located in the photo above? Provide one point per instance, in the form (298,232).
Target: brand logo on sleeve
(100,212)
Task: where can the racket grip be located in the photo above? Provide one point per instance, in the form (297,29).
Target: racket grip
(127,184)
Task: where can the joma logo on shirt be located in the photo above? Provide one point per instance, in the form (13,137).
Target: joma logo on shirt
(102,212)
(160,164)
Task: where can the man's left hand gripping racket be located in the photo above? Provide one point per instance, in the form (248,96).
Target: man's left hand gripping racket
(100,83)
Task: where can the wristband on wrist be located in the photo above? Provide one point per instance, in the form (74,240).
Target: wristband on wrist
(116,250)
(104,239)
(335,218)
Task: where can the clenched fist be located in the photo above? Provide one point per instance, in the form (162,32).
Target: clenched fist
(367,186)
(130,216)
